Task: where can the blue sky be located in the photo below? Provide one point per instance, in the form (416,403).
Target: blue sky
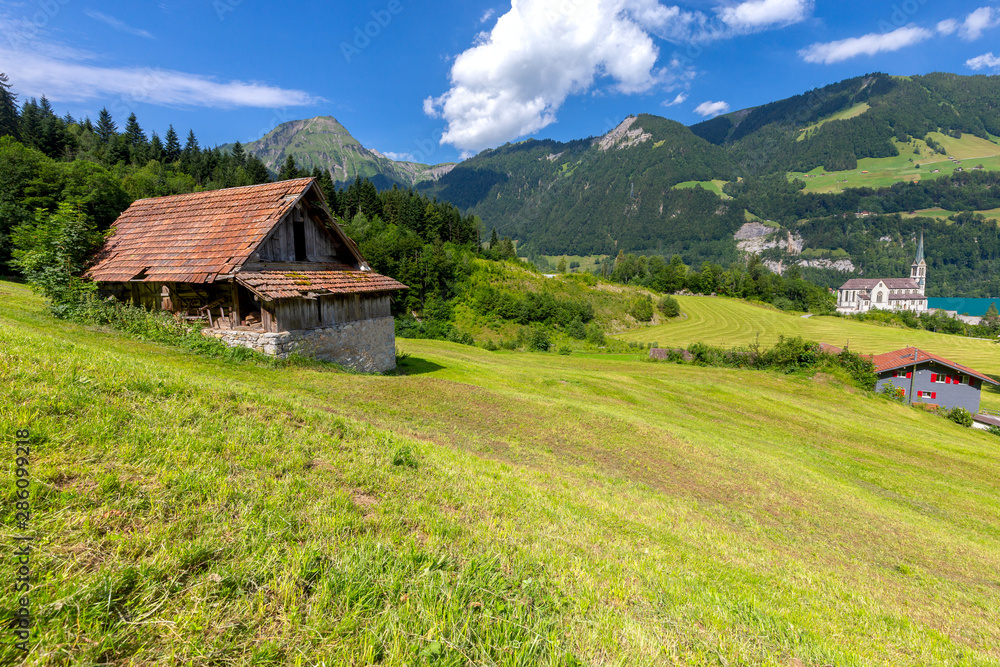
(438,81)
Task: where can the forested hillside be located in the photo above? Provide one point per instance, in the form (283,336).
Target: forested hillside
(600,195)
(631,190)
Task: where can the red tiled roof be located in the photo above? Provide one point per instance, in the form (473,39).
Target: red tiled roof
(195,237)
(910,355)
(316,280)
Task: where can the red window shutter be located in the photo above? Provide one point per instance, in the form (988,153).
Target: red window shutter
(934,395)
(947,379)
(909,375)
(933,377)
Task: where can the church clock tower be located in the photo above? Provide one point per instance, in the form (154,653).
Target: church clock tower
(918,271)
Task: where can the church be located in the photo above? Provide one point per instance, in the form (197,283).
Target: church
(860,295)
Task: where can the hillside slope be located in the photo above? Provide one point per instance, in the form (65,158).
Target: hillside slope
(617,192)
(594,196)
(488,508)
(323,142)
(732,322)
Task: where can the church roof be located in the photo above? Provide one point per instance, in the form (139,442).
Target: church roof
(871,283)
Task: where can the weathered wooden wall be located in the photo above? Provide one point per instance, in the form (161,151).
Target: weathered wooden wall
(295,314)
(280,247)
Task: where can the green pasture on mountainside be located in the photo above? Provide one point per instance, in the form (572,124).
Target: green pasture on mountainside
(491,508)
(966,153)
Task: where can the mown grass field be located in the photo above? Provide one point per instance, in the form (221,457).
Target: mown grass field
(943,215)
(712,186)
(846,114)
(970,151)
(731,322)
(487,508)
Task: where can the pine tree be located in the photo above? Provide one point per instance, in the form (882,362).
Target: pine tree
(172,149)
(493,239)
(257,170)
(9,116)
(288,170)
(156,150)
(239,155)
(30,130)
(133,133)
(106,128)
(191,145)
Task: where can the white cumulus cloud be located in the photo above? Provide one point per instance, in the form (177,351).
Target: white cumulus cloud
(985,61)
(948,27)
(978,22)
(680,99)
(712,109)
(399,157)
(828,53)
(517,77)
(756,14)
(66,80)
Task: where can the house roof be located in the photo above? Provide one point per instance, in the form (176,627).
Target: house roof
(871,283)
(909,356)
(315,280)
(198,237)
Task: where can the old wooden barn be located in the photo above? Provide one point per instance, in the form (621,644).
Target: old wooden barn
(263,266)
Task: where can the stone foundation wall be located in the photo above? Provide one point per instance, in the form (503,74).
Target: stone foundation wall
(366,345)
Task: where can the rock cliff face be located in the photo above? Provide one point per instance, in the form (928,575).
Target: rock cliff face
(323,142)
(756,237)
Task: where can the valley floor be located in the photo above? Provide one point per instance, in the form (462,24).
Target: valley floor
(488,508)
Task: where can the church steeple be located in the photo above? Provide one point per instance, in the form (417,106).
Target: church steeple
(918,271)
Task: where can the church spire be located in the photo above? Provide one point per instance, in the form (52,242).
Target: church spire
(920,249)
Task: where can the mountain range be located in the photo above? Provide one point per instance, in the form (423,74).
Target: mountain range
(323,142)
(652,185)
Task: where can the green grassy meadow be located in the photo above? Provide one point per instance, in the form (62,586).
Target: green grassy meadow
(845,114)
(712,186)
(488,508)
(730,322)
(970,151)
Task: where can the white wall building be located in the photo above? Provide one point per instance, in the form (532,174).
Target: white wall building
(860,295)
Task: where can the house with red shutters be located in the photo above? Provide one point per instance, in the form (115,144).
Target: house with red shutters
(927,378)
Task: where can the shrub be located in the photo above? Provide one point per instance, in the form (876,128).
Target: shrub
(565,349)
(669,306)
(51,251)
(595,336)
(781,303)
(642,308)
(995,430)
(894,393)
(538,339)
(961,416)
(576,329)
